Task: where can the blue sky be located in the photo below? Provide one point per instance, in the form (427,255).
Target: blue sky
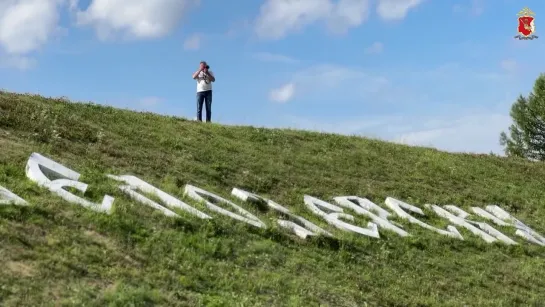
(432,73)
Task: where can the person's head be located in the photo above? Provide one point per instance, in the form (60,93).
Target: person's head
(204,65)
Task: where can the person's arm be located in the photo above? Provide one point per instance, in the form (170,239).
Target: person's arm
(196,74)
(211,75)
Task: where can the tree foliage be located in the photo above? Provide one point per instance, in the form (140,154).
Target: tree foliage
(527,133)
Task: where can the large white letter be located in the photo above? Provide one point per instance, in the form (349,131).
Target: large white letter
(38,169)
(198,193)
(333,218)
(303,229)
(134,183)
(397,206)
(503,218)
(366,207)
(459,217)
(9,198)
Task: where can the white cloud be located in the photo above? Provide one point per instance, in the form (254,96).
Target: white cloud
(278,18)
(26,25)
(400,88)
(282,94)
(475,8)
(17,62)
(434,107)
(348,14)
(134,19)
(193,42)
(461,133)
(396,9)
(375,48)
(316,81)
(273,57)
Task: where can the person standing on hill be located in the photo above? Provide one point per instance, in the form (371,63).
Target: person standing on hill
(204,78)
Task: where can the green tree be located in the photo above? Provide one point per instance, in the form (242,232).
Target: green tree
(527,133)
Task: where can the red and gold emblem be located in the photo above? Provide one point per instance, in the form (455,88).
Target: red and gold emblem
(526,24)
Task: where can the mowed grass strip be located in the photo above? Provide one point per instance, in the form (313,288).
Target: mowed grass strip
(55,253)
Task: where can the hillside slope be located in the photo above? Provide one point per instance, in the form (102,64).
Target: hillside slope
(57,253)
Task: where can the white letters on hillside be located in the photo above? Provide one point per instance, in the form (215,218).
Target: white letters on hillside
(459,217)
(38,169)
(9,198)
(303,229)
(397,206)
(199,194)
(366,207)
(333,218)
(503,218)
(133,183)
(55,177)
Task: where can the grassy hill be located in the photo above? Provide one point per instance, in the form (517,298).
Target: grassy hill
(55,253)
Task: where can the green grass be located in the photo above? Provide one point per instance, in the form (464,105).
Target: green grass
(57,254)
